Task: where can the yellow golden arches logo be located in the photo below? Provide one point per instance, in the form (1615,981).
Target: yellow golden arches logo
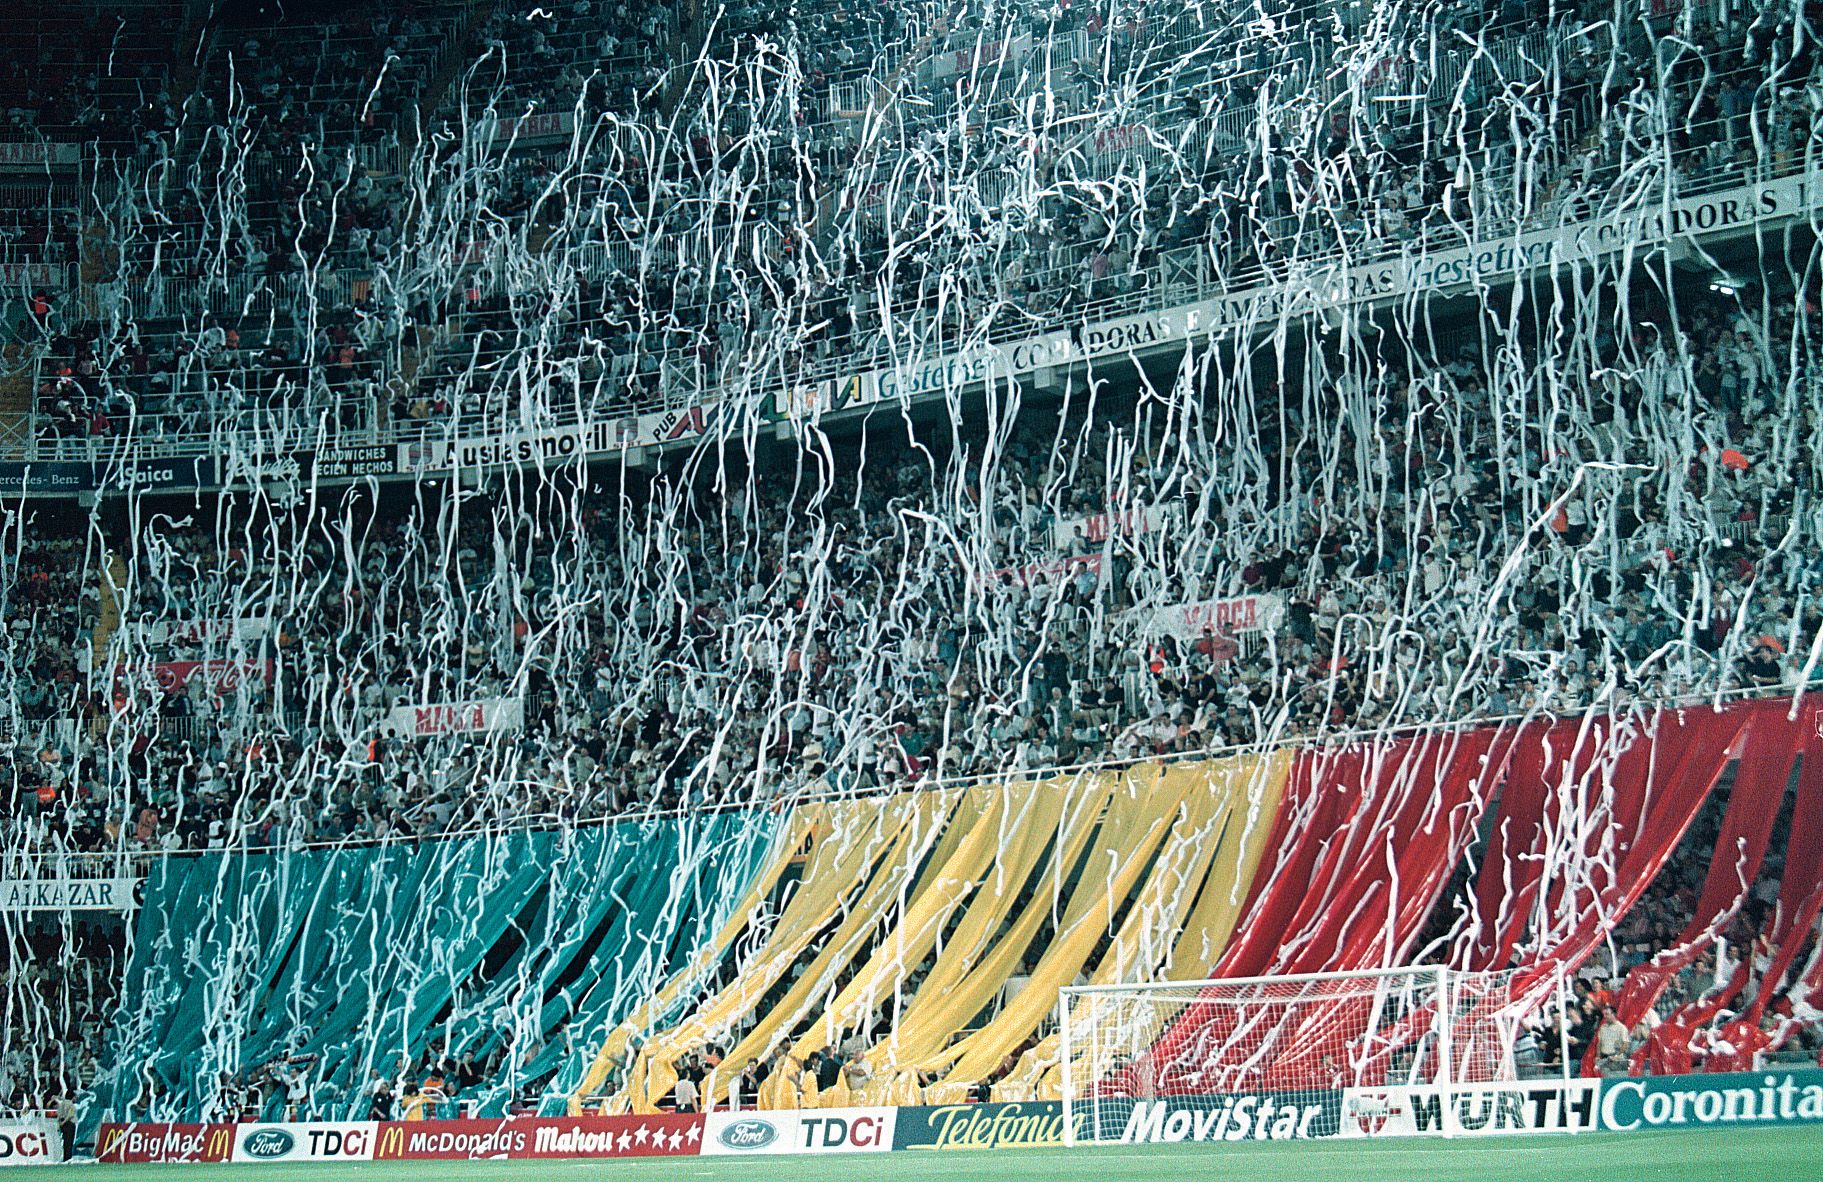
(392,1142)
(115,1135)
(221,1139)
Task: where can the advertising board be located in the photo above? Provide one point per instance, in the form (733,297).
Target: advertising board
(821,1130)
(1244,1116)
(315,1141)
(515,1138)
(139,1144)
(1789,1097)
(30,1141)
(1013,1125)
(1522,1106)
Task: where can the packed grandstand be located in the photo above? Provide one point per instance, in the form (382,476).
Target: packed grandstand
(630,558)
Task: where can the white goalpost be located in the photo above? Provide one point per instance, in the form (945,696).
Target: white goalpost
(1404,1051)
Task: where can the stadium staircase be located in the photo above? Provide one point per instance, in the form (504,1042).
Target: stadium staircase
(15,411)
(109,622)
(440,92)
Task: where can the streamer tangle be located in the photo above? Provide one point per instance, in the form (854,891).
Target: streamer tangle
(1037,387)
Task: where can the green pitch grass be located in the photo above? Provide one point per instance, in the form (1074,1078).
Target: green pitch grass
(1738,1155)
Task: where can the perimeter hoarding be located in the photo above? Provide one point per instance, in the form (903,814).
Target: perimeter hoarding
(1030,1124)
(1244,1116)
(816,1130)
(1623,1105)
(1790,1097)
(352,1140)
(139,1144)
(30,1141)
(1480,1109)
(527,1137)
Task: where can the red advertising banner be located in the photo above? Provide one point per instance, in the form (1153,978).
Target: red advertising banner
(540,1137)
(1045,572)
(145,1143)
(173,677)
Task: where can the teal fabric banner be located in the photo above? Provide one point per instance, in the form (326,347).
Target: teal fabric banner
(528,946)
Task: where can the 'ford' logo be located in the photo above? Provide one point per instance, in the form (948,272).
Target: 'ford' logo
(749,1134)
(268,1143)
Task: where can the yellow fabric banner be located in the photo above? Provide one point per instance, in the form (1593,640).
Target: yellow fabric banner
(851,840)
(1107,877)
(1258,787)
(1144,810)
(1226,821)
(926,814)
(949,882)
(998,925)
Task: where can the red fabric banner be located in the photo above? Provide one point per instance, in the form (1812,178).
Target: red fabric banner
(1800,893)
(1541,755)
(1380,826)
(1590,810)
(1774,735)
(1633,810)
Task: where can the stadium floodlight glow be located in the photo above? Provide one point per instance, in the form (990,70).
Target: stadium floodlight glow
(1415,1051)
(1724,282)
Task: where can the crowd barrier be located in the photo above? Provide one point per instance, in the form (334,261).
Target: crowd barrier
(1773,1097)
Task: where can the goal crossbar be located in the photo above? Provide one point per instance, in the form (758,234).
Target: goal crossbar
(1288,979)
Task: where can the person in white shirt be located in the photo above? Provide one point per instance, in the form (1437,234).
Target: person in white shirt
(685,1095)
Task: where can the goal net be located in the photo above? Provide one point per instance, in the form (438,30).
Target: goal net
(1414,1050)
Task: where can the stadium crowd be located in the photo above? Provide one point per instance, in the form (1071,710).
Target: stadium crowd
(646,259)
(61,983)
(1400,532)
(904,620)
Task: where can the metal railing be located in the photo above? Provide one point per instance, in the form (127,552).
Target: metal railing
(1063,777)
(684,382)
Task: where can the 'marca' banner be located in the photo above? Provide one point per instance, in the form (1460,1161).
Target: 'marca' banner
(174,677)
(1115,523)
(450,718)
(1217,617)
